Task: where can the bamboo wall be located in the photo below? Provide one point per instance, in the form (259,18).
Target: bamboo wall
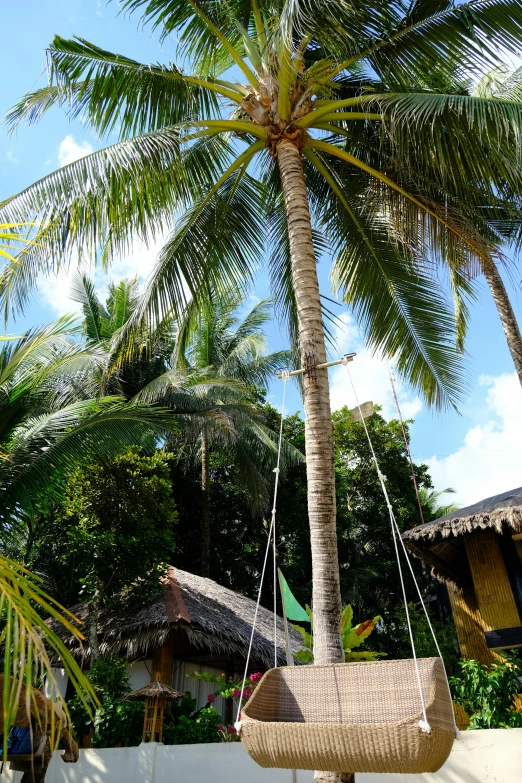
(469,626)
(488,605)
(493,591)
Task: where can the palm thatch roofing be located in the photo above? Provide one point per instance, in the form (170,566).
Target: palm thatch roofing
(440,544)
(154,690)
(210,617)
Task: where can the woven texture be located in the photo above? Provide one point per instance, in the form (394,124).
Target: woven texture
(350,717)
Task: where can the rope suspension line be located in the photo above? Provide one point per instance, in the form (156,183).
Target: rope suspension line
(285,375)
(396,535)
(271,541)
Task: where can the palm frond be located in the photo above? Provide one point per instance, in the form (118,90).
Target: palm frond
(83,431)
(28,643)
(111,91)
(83,291)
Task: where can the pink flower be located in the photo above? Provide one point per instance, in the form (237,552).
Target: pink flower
(256,676)
(211,698)
(247,692)
(231,730)
(223,676)
(221,728)
(235,693)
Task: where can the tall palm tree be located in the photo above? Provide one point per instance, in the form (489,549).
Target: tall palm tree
(337,117)
(215,344)
(204,369)
(52,419)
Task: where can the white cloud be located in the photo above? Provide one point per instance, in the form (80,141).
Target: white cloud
(371,377)
(69,150)
(490,458)
(12,158)
(138,263)
(99,12)
(55,290)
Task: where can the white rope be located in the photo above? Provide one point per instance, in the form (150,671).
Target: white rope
(423,724)
(271,539)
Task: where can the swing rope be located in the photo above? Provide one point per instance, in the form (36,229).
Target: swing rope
(396,535)
(271,541)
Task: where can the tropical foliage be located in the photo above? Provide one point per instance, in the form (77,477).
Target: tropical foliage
(112,720)
(352,636)
(378,96)
(310,126)
(223,350)
(29,645)
(52,417)
(488,693)
(115,523)
(431,505)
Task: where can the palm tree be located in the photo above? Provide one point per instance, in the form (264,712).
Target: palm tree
(430,501)
(338,119)
(51,419)
(205,370)
(215,344)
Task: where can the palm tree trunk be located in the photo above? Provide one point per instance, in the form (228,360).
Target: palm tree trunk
(326,596)
(94,615)
(205,507)
(505,311)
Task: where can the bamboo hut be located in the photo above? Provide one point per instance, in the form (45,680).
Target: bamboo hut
(193,623)
(477,553)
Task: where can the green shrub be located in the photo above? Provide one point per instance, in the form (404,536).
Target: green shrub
(118,722)
(203,727)
(487,693)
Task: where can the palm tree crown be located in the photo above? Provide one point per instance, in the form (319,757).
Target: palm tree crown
(365,91)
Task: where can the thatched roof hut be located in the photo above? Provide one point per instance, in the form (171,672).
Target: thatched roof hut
(477,553)
(441,544)
(203,619)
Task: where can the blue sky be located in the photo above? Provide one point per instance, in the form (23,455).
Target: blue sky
(478,452)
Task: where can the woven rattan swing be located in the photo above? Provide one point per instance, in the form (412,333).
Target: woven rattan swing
(379,716)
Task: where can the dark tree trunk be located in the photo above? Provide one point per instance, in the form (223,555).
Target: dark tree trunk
(94,616)
(205,507)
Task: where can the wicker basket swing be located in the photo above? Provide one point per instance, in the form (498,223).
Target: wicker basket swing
(350,717)
(371,716)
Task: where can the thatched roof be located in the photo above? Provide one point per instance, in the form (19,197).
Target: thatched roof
(211,617)
(154,690)
(440,545)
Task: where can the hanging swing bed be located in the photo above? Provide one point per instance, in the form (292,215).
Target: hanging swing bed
(381,716)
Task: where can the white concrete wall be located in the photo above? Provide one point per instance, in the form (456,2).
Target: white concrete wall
(493,756)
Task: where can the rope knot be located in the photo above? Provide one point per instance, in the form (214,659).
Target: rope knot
(275,470)
(425,727)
